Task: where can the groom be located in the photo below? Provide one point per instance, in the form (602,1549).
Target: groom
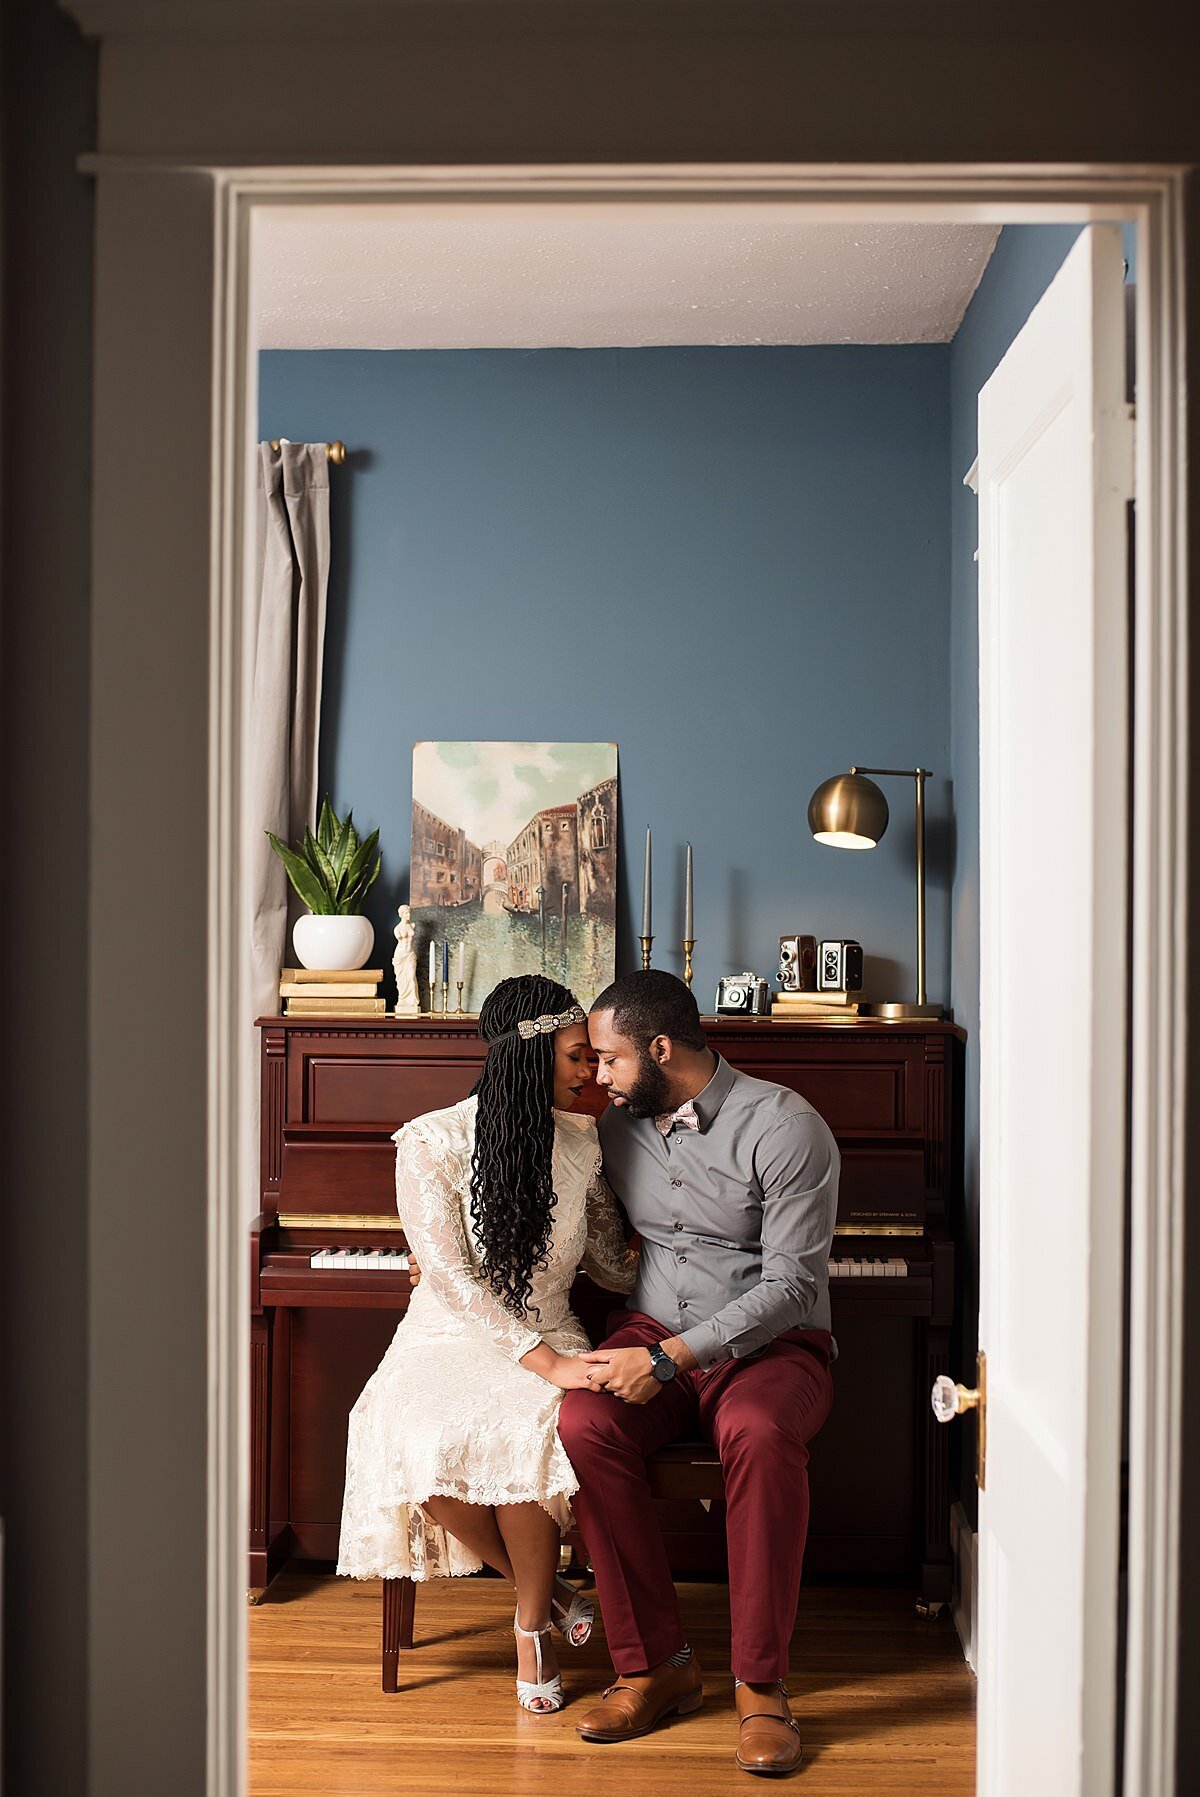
(731,1182)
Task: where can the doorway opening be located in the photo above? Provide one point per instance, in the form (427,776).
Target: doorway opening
(266,408)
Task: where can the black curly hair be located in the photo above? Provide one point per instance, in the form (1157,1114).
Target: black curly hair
(512,1174)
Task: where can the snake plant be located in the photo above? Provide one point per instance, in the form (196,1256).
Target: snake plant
(332,870)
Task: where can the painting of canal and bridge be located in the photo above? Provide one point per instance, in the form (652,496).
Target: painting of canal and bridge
(514,857)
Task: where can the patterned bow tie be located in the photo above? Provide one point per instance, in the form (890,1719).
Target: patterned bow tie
(685,1115)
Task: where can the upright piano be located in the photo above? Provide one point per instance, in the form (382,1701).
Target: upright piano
(329,1279)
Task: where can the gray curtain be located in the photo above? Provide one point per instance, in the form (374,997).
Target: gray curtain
(286,645)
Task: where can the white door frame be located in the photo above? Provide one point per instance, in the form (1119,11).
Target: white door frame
(1151,196)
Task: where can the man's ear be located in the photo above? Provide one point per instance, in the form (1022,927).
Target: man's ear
(660,1050)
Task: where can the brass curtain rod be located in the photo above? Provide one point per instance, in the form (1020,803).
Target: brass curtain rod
(334,452)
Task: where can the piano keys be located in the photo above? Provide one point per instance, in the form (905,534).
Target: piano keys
(329,1273)
(395,1260)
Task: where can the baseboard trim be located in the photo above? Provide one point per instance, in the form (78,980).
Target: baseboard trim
(963,1604)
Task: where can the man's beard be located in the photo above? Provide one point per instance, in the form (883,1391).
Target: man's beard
(650,1093)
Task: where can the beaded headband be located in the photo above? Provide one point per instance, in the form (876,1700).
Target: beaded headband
(546,1025)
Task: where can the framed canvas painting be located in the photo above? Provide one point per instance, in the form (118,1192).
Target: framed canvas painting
(514,860)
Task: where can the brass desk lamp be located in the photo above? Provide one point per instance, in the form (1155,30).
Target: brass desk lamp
(850,812)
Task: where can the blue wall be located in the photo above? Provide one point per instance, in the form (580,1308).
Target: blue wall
(732,562)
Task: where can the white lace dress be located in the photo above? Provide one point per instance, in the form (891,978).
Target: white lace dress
(450,1412)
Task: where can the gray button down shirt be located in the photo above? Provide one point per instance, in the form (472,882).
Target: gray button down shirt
(736,1218)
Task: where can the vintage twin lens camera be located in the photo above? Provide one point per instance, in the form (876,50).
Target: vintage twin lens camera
(839,967)
(742,995)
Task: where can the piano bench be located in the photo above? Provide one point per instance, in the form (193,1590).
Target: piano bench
(681,1470)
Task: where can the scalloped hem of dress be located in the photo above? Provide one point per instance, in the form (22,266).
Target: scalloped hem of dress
(392,1571)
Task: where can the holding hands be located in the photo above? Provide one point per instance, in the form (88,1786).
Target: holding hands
(623,1372)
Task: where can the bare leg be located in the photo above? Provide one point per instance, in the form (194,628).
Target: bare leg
(532,1539)
(475,1526)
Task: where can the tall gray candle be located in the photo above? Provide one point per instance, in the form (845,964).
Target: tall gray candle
(646,929)
(689,934)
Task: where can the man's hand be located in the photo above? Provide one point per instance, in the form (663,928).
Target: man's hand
(625,1372)
(414,1271)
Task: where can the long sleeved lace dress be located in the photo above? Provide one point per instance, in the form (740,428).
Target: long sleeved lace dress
(450,1411)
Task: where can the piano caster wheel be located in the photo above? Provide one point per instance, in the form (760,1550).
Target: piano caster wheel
(930,1610)
(255,1594)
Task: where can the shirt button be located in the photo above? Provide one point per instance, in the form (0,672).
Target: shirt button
(677,1182)
(677,1225)
(683,1260)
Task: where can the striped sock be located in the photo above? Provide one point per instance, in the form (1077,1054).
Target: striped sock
(681,1658)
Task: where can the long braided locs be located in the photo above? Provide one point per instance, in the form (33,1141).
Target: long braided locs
(512,1166)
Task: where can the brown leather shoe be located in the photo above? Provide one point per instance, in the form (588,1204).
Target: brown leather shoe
(637,1703)
(768,1739)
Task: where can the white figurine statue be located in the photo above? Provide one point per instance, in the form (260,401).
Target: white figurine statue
(404,967)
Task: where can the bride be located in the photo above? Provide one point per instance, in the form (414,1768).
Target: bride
(453,1456)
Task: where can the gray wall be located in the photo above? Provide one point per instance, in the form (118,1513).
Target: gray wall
(48,120)
(732,562)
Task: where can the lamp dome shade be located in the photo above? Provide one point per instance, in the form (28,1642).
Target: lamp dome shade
(848,812)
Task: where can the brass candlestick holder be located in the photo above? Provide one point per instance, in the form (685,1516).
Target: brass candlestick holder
(433,997)
(688,945)
(645,942)
(458,1010)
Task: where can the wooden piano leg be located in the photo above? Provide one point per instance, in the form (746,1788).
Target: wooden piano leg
(936,1564)
(399,1610)
(260,1451)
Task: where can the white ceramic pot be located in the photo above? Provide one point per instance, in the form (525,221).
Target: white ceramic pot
(332,942)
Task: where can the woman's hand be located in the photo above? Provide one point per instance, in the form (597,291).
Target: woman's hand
(570,1373)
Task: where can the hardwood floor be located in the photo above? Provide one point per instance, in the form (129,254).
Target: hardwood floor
(884,1700)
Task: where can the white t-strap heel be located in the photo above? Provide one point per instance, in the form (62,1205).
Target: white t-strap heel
(573,1620)
(542,1696)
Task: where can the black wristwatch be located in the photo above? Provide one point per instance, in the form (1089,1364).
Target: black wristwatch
(661,1364)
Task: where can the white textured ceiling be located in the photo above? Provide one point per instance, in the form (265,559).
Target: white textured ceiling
(599,275)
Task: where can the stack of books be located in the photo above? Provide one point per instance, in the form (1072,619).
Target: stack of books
(314,992)
(802,1006)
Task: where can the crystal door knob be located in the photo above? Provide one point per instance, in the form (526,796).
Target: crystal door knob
(950,1400)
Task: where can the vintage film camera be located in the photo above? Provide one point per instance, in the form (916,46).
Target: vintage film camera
(742,995)
(839,967)
(797,963)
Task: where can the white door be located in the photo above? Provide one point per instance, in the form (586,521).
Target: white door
(1055,474)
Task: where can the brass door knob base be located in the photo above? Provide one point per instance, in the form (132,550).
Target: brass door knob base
(950,1400)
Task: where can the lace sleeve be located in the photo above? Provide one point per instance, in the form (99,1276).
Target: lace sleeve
(429,1209)
(608,1258)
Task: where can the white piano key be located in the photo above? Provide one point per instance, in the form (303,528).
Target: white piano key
(318,1258)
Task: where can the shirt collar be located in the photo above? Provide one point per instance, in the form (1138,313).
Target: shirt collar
(709,1101)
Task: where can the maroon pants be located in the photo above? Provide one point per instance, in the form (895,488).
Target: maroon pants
(760,1415)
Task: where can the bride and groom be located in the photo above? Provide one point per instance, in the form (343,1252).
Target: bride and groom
(491,1422)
